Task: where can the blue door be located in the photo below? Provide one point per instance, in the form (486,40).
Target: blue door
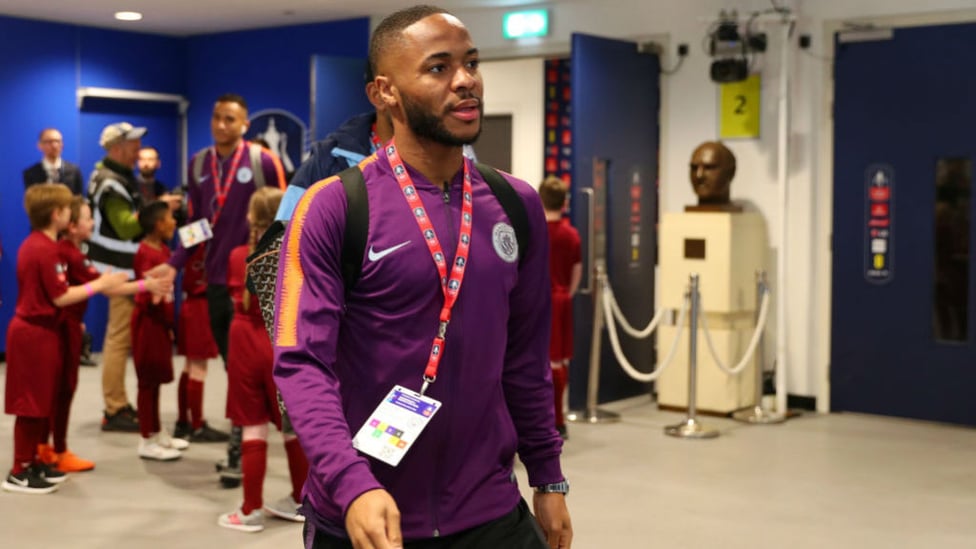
(615,104)
(338,93)
(163,123)
(904,145)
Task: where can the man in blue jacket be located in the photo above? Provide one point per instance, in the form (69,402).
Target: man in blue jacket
(413,391)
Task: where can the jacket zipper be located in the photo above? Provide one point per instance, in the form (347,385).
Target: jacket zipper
(446,196)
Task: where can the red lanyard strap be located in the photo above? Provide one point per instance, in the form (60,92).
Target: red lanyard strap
(221,188)
(450,282)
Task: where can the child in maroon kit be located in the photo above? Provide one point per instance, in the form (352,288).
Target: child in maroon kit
(35,343)
(152,336)
(79,271)
(565,271)
(251,392)
(198,346)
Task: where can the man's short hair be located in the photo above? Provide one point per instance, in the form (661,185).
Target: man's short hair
(232,98)
(149,148)
(44,199)
(150,214)
(40,136)
(389,30)
(553,191)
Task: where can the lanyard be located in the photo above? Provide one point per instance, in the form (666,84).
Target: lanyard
(374,139)
(450,286)
(221,188)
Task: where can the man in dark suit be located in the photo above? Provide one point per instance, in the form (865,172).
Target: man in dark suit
(53,168)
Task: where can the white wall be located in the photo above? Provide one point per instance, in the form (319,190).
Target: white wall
(689,116)
(517,88)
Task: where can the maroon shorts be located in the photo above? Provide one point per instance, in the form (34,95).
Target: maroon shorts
(561,339)
(251,392)
(152,349)
(35,358)
(195,340)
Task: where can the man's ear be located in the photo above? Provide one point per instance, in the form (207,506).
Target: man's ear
(385,92)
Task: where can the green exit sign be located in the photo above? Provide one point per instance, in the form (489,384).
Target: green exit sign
(525,24)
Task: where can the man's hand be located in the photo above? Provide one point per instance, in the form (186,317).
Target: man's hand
(553,516)
(373,521)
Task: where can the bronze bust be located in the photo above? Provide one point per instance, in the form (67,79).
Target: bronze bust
(712,168)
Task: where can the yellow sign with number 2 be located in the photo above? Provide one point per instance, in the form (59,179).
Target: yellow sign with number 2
(739,109)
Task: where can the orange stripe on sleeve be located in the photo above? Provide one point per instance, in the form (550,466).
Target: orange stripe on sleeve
(286,331)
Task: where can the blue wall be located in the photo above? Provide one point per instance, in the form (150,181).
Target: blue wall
(269,67)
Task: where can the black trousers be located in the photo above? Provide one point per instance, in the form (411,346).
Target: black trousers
(516,530)
(221,310)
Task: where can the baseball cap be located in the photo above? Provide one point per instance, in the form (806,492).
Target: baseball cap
(120,131)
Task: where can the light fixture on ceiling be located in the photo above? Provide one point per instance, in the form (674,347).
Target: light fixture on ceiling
(128,16)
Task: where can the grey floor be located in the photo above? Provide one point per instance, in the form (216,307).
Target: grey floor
(841,480)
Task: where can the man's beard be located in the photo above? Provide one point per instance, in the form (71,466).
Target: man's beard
(426,125)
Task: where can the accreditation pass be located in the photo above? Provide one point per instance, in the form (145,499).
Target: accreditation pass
(395,425)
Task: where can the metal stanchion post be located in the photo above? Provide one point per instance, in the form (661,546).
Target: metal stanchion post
(757,414)
(592,414)
(691,427)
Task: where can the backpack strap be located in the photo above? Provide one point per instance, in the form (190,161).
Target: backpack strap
(510,201)
(255,151)
(198,166)
(357,225)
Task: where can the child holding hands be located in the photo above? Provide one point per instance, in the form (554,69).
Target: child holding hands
(35,343)
(152,336)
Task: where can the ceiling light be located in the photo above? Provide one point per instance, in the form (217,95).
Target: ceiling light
(128,16)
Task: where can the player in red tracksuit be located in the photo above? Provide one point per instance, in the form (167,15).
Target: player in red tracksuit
(35,342)
(251,392)
(80,270)
(152,336)
(198,346)
(565,271)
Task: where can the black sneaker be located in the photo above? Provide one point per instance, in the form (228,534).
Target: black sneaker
(48,473)
(28,481)
(206,433)
(120,421)
(87,360)
(183,430)
(562,431)
(130,411)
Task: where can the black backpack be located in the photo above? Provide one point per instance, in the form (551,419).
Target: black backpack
(262,265)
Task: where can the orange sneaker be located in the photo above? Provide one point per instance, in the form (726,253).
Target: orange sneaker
(45,452)
(70,463)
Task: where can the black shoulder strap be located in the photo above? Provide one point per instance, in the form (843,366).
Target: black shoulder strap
(510,201)
(357,225)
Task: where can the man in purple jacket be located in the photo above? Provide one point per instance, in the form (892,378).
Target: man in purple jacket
(412,392)
(221,179)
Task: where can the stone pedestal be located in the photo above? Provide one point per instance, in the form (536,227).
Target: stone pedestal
(725,249)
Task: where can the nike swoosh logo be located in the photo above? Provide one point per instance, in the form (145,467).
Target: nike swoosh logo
(19,482)
(378,255)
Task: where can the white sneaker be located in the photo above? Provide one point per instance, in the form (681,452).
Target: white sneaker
(150,448)
(237,520)
(166,441)
(285,508)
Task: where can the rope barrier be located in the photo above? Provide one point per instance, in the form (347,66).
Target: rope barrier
(753,343)
(610,310)
(631,331)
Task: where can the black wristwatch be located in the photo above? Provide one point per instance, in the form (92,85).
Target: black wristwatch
(554,488)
